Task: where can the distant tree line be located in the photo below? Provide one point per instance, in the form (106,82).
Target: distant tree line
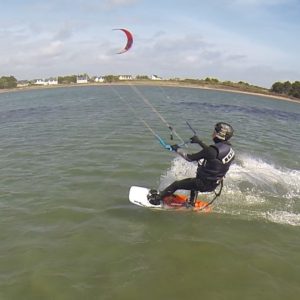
(8,82)
(287,88)
(239,86)
(283,88)
(67,79)
(111,78)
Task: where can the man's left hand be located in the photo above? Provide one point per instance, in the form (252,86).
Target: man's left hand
(175,147)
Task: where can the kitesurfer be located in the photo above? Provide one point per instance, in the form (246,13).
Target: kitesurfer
(213,163)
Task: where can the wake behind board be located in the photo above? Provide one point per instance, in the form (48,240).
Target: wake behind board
(138,196)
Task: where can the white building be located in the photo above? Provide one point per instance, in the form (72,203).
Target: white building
(82,79)
(99,79)
(49,81)
(125,77)
(155,77)
(40,82)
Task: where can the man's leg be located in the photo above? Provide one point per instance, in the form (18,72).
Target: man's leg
(189,184)
(193,197)
(185,184)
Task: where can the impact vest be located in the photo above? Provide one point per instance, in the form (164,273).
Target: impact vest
(215,169)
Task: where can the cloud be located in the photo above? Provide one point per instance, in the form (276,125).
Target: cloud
(114,3)
(265,2)
(78,38)
(52,49)
(94,6)
(267,75)
(64,33)
(260,3)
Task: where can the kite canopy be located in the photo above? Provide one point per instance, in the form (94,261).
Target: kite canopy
(129,40)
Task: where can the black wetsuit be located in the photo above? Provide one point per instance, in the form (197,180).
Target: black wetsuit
(216,161)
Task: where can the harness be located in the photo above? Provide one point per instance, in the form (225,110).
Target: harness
(217,194)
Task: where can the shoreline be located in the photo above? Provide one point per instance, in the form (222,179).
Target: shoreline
(147,83)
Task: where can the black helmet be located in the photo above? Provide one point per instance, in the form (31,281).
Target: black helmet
(224,131)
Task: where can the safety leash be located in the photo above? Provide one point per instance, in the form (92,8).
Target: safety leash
(215,197)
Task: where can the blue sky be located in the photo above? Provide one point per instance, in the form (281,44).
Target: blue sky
(256,41)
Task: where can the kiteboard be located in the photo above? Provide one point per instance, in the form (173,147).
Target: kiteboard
(138,196)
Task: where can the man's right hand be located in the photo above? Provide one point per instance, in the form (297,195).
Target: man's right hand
(195,140)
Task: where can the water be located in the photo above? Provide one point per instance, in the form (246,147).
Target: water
(68,158)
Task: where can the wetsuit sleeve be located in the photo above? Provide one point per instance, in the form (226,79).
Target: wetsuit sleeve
(202,144)
(208,152)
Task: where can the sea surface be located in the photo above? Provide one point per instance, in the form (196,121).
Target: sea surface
(68,157)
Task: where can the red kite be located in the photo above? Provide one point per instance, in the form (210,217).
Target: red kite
(129,40)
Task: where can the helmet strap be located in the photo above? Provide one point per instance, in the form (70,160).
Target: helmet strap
(217,140)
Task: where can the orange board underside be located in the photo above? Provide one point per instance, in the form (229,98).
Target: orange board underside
(179,201)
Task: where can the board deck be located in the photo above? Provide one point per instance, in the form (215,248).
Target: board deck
(138,196)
